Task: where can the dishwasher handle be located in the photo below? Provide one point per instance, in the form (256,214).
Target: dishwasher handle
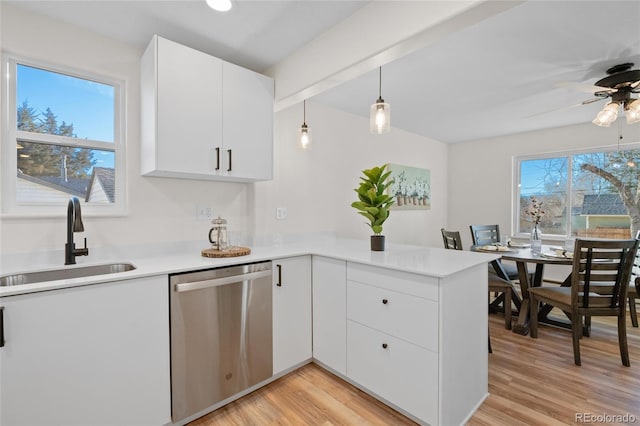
(197,285)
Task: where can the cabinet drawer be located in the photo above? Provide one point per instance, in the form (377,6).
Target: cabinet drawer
(403,374)
(407,317)
(404,282)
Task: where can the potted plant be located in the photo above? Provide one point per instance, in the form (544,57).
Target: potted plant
(400,188)
(373,202)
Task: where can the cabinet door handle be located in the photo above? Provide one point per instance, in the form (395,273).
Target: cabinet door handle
(218,158)
(385,301)
(229,151)
(1,326)
(279,283)
(384,346)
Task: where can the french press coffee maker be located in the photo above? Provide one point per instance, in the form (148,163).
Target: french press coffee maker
(218,235)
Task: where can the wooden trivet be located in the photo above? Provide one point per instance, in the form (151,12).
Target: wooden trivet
(230,252)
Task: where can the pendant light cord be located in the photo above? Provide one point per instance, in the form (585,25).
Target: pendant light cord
(380,84)
(304,111)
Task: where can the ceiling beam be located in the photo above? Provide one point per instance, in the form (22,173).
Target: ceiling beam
(376,34)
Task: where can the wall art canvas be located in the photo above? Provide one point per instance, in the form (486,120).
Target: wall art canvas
(411,189)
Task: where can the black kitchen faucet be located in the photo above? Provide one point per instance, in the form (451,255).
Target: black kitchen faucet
(74,224)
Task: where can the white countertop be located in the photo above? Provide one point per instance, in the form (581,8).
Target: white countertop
(430,261)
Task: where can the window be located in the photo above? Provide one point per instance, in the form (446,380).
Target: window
(63,138)
(586,194)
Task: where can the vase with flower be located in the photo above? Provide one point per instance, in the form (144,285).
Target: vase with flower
(536,212)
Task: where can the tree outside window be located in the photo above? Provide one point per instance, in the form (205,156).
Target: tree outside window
(66,137)
(594,194)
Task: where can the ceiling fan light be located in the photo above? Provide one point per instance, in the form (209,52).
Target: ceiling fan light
(608,115)
(632,111)
(220,5)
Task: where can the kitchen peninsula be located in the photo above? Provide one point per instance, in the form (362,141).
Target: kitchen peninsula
(407,325)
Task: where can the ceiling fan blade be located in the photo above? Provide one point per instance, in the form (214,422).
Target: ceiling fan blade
(588,101)
(586,88)
(636,84)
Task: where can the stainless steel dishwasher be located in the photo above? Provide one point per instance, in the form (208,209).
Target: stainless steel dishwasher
(221,335)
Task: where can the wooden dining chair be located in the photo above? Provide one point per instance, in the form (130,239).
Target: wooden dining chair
(485,234)
(452,241)
(633,287)
(595,262)
(482,235)
(632,294)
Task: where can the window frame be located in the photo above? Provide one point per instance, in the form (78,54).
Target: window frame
(517,160)
(10,207)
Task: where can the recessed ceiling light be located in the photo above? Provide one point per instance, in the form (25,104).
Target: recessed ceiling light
(219,5)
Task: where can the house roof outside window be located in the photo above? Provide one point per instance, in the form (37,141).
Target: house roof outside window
(603,204)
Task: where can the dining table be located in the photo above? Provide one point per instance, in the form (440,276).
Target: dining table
(523,257)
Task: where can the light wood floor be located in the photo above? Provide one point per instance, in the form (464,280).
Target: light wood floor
(531,382)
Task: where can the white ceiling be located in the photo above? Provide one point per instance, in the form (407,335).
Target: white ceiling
(492,78)
(254,34)
(497,77)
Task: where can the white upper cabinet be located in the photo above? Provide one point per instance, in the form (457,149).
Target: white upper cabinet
(247,123)
(203,118)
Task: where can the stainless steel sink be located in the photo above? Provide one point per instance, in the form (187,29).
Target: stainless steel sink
(64,273)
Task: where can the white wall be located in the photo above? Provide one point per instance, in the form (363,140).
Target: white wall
(316,186)
(481,172)
(160,210)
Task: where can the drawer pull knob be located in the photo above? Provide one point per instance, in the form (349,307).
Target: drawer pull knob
(385,301)
(384,346)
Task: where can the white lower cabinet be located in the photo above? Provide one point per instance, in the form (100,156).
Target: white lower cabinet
(398,371)
(392,337)
(97,354)
(419,342)
(291,312)
(330,313)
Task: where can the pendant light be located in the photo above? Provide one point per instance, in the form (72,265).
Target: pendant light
(380,114)
(305,133)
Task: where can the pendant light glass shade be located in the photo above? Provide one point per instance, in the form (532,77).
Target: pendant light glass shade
(380,117)
(305,137)
(380,113)
(305,133)
(632,111)
(608,115)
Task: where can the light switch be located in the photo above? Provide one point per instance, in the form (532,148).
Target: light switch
(281,213)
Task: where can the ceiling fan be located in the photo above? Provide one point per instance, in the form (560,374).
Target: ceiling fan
(619,84)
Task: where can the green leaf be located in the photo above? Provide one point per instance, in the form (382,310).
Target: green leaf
(359,205)
(368,216)
(373,211)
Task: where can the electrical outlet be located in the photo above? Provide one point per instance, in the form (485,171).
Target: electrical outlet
(204,213)
(281,213)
